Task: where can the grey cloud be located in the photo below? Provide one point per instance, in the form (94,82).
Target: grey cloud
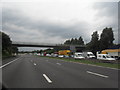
(106,8)
(108,11)
(47,28)
(32,30)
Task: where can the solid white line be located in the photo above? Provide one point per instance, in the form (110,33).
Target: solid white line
(34,63)
(97,74)
(49,81)
(58,63)
(8,63)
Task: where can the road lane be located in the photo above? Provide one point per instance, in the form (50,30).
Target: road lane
(53,68)
(24,73)
(113,73)
(47,78)
(9,63)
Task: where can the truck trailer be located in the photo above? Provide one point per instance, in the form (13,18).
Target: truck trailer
(115,53)
(64,53)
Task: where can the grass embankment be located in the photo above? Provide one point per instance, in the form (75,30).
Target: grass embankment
(88,61)
(5,56)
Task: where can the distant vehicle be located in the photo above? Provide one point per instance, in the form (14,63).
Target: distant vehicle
(112,52)
(104,57)
(55,55)
(38,53)
(88,55)
(72,56)
(42,54)
(66,56)
(60,55)
(48,55)
(65,53)
(78,55)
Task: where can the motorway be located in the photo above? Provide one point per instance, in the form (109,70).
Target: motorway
(28,71)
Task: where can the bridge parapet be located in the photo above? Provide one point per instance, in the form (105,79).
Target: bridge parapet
(32,44)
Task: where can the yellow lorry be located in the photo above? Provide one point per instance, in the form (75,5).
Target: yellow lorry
(64,53)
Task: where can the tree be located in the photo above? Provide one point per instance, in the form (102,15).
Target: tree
(93,45)
(6,44)
(67,42)
(75,41)
(49,51)
(14,49)
(80,41)
(106,38)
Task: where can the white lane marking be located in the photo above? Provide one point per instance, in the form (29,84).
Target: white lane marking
(8,63)
(34,63)
(58,63)
(97,74)
(49,81)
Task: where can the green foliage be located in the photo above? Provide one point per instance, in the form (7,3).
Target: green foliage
(106,38)
(75,41)
(6,44)
(80,41)
(49,51)
(14,49)
(85,61)
(105,41)
(93,45)
(7,48)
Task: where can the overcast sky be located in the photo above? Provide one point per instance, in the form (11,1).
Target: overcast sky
(54,21)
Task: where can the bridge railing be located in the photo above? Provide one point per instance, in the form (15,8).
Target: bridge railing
(47,44)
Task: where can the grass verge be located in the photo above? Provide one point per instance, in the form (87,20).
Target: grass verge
(85,61)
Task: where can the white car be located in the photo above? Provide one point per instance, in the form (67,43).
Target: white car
(60,55)
(55,55)
(48,55)
(79,56)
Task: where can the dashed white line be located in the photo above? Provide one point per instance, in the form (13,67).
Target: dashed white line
(58,63)
(8,63)
(97,74)
(49,81)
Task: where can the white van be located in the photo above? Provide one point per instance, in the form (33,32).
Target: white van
(78,55)
(104,57)
(88,55)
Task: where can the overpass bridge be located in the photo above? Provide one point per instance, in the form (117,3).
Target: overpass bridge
(48,45)
(31,44)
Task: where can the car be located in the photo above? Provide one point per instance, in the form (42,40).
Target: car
(78,55)
(48,55)
(60,55)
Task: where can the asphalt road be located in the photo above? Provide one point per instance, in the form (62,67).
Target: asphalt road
(29,71)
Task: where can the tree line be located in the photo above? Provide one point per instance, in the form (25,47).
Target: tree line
(97,43)
(7,48)
(74,41)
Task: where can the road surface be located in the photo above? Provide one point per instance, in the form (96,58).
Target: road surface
(29,71)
